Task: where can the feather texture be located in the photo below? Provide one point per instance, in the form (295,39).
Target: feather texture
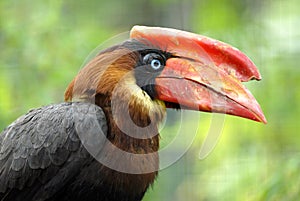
(42,150)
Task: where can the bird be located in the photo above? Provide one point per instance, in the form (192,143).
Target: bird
(102,142)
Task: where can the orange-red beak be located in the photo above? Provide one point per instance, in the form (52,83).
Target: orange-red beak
(204,75)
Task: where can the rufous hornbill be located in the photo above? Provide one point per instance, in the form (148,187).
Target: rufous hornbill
(102,143)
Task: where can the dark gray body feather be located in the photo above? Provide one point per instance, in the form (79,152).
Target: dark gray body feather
(42,156)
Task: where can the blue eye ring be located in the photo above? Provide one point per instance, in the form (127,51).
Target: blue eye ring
(156,64)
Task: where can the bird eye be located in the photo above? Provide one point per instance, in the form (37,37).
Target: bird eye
(155,64)
(154,60)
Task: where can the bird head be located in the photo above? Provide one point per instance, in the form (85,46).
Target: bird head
(160,68)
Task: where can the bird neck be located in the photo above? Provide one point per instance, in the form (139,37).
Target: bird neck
(133,119)
(133,129)
(141,138)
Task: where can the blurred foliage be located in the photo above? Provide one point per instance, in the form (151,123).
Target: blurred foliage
(44,44)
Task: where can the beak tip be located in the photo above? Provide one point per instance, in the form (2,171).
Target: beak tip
(264,120)
(259,116)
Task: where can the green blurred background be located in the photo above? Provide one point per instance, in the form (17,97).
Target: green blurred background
(44,43)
